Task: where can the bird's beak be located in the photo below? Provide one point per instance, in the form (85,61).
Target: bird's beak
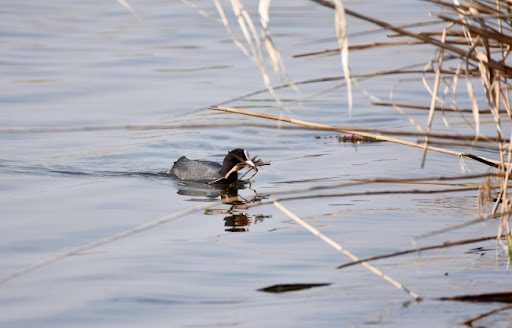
(251,164)
(248,162)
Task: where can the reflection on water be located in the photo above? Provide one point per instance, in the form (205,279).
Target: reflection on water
(203,192)
(240,222)
(197,192)
(92,64)
(236,221)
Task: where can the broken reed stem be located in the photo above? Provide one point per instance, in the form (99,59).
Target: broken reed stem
(346,252)
(319,126)
(418,249)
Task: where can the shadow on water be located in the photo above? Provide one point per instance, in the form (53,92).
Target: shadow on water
(284,288)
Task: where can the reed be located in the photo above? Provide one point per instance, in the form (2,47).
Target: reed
(472,46)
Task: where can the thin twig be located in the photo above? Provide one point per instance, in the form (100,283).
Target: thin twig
(377,45)
(437,108)
(418,249)
(470,321)
(462,225)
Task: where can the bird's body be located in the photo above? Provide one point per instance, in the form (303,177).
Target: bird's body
(196,170)
(207,171)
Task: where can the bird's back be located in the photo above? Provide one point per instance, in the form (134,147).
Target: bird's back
(196,170)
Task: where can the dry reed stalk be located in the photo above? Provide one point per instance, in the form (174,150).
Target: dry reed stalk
(252,39)
(403,70)
(279,194)
(469,322)
(136,127)
(475,19)
(275,56)
(357,47)
(434,98)
(406,25)
(371,193)
(173,216)
(359,182)
(149,127)
(381,131)
(273,53)
(225,21)
(325,79)
(132,10)
(458,33)
(418,249)
(377,45)
(340,23)
(339,248)
(437,108)
(319,126)
(480,220)
(471,145)
(436,178)
(196,7)
(456,50)
(106,240)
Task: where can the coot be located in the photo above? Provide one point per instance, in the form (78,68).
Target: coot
(207,171)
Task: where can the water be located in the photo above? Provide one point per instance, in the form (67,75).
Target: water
(73,64)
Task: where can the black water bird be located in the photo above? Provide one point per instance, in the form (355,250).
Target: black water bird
(212,172)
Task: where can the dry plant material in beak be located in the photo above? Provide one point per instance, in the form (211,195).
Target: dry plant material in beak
(251,163)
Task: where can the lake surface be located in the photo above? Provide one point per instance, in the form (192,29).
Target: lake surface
(75,64)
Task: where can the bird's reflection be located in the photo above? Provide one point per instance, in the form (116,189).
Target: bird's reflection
(235,221)
(240,222)
(202,192)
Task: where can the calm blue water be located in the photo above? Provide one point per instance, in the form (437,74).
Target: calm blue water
(74,64)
